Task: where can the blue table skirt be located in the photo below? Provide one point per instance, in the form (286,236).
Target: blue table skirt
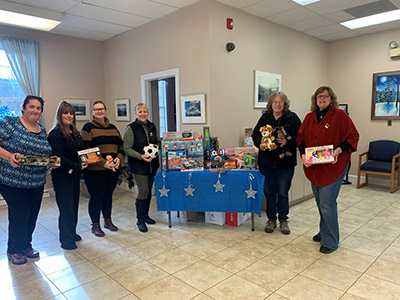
(205,198)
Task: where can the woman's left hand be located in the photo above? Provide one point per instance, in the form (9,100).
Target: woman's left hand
(116,162)
(282,141)
(335,155)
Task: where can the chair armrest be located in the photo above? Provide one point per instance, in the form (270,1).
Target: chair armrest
(364,153)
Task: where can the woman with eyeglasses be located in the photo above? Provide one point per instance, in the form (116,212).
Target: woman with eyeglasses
(327,125)
(278,171)
(65,141)
(101,178)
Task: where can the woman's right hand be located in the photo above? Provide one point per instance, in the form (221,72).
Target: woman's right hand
(12,160)
(146,158)
(305,162)
(84,165)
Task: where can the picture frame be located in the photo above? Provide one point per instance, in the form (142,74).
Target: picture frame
(385,96)
(81,107)
(122,110)
(344,106)
(265,83)
(193,109)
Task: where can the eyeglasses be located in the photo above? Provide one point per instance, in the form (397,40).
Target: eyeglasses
(98,109)
(323,96)
(277,102)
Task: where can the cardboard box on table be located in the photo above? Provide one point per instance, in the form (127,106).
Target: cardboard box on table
(235,219)
(217,218)
(194,149)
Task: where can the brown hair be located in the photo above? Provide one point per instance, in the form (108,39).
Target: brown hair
(334,103)
(63,108)
(284,98)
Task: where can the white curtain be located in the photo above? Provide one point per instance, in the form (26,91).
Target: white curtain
(23,56)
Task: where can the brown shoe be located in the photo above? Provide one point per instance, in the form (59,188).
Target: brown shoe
(109,225)
(30,252)
(17,259)
(96,230)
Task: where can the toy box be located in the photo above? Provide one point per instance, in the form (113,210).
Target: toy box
(40,161)
(172,136)
(173,159)
(187,135)
(194,148)
(192,163)
(206,136)
(217,218)
(235,219)
(90,156)
(320,154)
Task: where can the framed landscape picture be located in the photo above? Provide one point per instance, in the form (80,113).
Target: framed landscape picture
(385,96)
(265,84)
(193,109)
(122,110)
(81,107)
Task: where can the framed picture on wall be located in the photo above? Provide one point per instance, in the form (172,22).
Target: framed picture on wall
(122,110)
(193,109)
(344,106)
(265,83)
(81,107)
(385,96)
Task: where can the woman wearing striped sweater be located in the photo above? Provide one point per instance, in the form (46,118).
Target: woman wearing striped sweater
(101,178)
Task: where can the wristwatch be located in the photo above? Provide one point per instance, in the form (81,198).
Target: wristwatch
(340,150)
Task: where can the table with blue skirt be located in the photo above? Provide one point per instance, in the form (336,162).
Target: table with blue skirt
(206,191)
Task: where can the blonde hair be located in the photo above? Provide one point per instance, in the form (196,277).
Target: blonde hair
(284,98)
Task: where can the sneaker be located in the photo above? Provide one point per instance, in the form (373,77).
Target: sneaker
(31,253)
(316,238)
(17,259)
(271,225)
(285,227)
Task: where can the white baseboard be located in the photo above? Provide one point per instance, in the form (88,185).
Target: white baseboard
(372,179)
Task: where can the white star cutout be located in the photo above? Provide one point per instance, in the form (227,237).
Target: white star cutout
(218,187)
(164,192)
(251,193)
(189,191)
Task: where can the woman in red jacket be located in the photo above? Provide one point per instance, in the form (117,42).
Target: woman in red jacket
(327,125)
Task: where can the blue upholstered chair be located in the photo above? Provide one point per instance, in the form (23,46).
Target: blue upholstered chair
(382,158)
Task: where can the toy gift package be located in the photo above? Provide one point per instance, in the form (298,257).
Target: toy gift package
(320,154)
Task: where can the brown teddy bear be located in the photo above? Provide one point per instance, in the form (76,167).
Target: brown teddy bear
(267,138)
(282,150)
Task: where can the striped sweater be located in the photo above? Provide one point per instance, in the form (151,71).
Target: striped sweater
(105,136)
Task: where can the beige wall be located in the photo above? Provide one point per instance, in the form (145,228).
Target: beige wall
(69,68)
(351,64)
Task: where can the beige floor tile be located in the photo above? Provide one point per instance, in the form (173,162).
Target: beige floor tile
(166,289)
(275,297)
(202,247)
(392,253)
(177,237)
(202,275)
(364,245)
(396,243)
(125,239)
(349,296)
(301,288)
(101,247)
(57,262)
(290,258)
(332,274)
(75,276)
(150,248)
(138,276)
(236,288)
(130,297)
(305,245)
(39,288)
(372,288)
(173,260)
(386,270)
(266,275)
(231,260)
(102,288)
(202,297)
(254,247)
(115,261)
(12,275)
(228,237)
(350,259)
(375,234)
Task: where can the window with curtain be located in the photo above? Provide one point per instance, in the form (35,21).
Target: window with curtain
(11,93)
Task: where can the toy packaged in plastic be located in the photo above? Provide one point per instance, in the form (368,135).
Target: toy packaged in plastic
(174,158)
(320,154)
(192,163)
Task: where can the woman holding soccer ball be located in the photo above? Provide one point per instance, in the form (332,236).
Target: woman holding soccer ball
(139,140)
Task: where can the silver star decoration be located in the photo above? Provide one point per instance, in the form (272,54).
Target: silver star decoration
(251,193)
(164,192)
(189,191)
(218,187)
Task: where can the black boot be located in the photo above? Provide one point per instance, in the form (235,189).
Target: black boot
(140,214)
(147,219)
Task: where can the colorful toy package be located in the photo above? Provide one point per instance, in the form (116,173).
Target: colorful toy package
(320,154)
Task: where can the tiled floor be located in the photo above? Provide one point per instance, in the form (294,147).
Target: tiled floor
(203,261)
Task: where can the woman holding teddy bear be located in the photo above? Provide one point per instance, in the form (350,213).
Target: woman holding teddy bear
(277,163)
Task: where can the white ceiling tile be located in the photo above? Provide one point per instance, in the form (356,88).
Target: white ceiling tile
(54,5)
(137,7)
(339,16)
(176,3)
(93,25)
(329,6)
(310,24)
(112,16)
(270,7)
(396,2)
(238,3)
(80,33)
(325,30)
(291,16)
(339,35)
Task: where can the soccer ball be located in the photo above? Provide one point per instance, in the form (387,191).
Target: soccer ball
(151,150)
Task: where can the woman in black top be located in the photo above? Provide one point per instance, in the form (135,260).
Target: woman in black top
(65,141)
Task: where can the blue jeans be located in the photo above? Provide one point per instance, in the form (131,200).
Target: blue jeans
(327,206)
(276,189)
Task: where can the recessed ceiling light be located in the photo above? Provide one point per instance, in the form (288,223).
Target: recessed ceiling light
(305,2)
(381,18)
